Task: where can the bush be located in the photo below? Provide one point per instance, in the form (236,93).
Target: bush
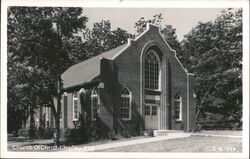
(111,135)
(76,135)
(197,128)
(149,132)
(125,134)
(45,133)
(23,132)
(32,133)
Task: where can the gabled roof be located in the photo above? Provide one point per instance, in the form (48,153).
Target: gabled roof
(88,70)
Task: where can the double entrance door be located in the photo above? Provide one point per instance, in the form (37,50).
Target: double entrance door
(151,111)
(151,116)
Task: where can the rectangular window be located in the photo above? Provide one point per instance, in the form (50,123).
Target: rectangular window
(177,109)
(75,107)
(125,104)
(124,107)
(95,107)
(147,110)
(154,110)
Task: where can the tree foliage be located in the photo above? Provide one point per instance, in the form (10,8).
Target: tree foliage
(168,32)
(36,57)
(101,38)
(213,52)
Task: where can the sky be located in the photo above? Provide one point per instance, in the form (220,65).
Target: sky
(182,19)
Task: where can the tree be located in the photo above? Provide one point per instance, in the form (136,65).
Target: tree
(213,52)
(167,31)
(35,38)
(140,25)
(101,38)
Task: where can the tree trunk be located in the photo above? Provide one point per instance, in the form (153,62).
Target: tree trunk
(57,121)
(59,90)
(32,123)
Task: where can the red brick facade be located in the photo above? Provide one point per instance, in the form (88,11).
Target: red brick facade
(125,69)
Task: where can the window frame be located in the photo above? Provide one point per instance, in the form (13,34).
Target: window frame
(179,100)
(94,94)
(151,105)
(159,71)
(75,98)
(129,96)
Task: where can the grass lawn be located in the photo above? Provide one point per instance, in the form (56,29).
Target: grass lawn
(194,143)
(25,144)
(189,144)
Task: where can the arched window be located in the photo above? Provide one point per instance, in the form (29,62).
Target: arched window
(125,108)
(95,108)
(75,106)
(178,106)
(152,70)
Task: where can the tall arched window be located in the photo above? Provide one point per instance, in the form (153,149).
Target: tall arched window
(125,108)
(178,106)
(75,106)
(95,108)
(152,70)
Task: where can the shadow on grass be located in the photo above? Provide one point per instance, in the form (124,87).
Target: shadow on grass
(20,139)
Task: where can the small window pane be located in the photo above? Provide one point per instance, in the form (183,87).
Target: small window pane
(94,104)
(147,110)
(154,110)
(75,106)
(125,104)
(177,106)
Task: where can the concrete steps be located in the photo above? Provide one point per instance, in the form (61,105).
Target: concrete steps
(167,132)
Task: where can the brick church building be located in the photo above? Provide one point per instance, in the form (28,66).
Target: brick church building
(139,85)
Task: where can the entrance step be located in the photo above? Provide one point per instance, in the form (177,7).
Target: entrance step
(167,132)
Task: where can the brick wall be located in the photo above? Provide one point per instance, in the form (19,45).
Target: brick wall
(124,71)
(128,65)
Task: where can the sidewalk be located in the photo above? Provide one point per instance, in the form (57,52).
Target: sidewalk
(137,141)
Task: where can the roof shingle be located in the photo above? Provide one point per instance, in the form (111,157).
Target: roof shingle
(87,70)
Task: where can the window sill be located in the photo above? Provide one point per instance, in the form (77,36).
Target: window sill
(125,119)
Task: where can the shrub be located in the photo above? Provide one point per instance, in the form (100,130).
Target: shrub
(125,134)
(197,128)
(76,135)
(23,132)
(45,133)
(149,132)
(111,135)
